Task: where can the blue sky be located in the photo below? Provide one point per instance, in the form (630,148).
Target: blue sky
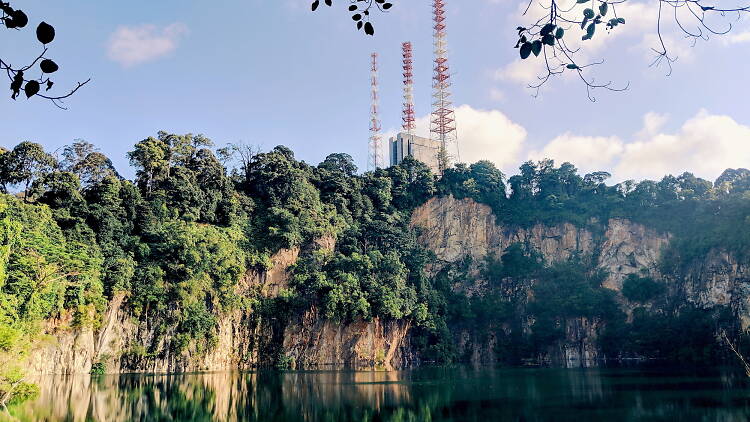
(271,72)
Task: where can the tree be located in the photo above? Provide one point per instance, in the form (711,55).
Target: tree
(26,163)
(554,27)
(19,75)
(151,158)
(84,160)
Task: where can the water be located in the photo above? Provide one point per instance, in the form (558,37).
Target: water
(425,394)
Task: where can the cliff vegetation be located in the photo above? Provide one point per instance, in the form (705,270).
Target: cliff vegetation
(171,257)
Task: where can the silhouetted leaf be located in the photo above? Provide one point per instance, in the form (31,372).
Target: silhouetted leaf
(357,17)
(15,86)
(49,85)
(48,66)
(525,50)
(329,3)
(547,29)
(559,33)
(45,33)
(588,13)
(387,6)
(589,32)
(369,30)
(536,47)
(603,9)
(315,5)
(548,39)
(352,7)
(572,66)
(31,88)
(19,18)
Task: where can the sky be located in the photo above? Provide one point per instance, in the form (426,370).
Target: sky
(271,72)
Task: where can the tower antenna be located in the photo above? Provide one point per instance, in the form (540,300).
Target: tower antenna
(443,119)
(408,112)
(375,155)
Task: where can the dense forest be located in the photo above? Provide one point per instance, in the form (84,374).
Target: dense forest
(177,240)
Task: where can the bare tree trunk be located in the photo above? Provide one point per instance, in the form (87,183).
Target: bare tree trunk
(737,352)
(7,394)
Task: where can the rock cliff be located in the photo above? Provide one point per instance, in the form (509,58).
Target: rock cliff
(453,229)
(244,339)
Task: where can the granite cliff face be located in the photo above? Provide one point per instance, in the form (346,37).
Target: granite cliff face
(453,229)
(244,340)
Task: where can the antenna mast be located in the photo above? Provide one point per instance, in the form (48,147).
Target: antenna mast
(375,157)
(408,112)
(443,120)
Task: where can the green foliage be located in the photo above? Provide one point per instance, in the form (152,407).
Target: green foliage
(98,368)
(685,334)
(176,242)
(187,273)
(641,289)
(292,212)
(358,285)
(24,164)
(41,274)
(283,361)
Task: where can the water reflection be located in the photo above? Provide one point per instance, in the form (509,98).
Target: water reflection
(427,394)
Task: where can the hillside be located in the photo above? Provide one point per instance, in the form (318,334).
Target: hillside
(274,262)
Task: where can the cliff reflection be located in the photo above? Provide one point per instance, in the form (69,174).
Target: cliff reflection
(416,395)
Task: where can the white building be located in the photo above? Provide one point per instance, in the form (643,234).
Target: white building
(423,149)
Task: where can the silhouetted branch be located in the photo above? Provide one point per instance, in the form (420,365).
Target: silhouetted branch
(18,76)
(692,17)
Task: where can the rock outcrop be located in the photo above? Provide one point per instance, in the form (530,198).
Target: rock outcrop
(453,229)
(244,340)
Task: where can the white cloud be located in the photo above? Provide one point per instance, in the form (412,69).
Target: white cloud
(737,38)
(497,94)
(482,135)
(588,153)
(705,145)
(133,45)
(652,124)
(489,135)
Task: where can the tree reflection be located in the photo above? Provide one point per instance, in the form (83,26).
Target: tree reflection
(436,394)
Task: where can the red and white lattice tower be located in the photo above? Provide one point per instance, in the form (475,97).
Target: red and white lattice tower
(443,119)
(375,155)
(408,112)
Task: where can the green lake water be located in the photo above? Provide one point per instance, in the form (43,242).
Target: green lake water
(423,394)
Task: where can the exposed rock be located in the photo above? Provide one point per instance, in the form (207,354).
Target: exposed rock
(64,350)
(453,229)
(629,248)
(242,339)
(720,280)
(314,341)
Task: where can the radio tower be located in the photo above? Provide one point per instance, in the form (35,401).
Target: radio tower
(408,112)
(375,157)
(443,120)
